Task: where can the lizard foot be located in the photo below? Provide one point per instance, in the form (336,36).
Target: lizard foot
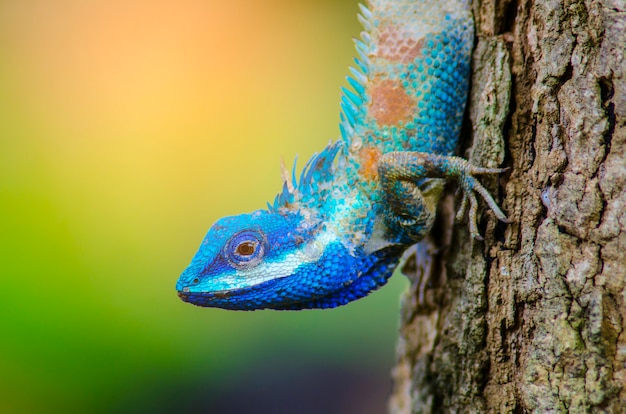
(404,173)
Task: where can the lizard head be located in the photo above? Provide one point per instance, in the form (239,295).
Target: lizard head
(263,260)
(279,260)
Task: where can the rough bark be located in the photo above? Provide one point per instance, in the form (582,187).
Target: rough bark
(532,319)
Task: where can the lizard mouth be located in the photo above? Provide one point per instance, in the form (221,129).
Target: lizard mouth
(187,296)
(217,299)
(248,298)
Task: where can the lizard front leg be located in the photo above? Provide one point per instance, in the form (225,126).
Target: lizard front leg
(411,182)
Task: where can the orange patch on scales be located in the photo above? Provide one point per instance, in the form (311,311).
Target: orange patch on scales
(369,162)
(390,103)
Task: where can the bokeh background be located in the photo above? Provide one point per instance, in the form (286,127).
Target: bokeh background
(126,128)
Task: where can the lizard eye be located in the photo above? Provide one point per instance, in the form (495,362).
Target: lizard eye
(246,249)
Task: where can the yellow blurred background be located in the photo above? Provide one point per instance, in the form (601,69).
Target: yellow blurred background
(126,128)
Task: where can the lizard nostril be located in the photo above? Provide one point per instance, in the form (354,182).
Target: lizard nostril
(196,281)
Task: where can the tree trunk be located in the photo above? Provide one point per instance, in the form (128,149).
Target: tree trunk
(532,319)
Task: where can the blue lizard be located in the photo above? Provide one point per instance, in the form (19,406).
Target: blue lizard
(338,232)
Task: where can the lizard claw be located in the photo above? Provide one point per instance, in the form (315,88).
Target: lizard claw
(470,185)
(473,211)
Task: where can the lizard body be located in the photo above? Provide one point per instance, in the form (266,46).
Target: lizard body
(338,232)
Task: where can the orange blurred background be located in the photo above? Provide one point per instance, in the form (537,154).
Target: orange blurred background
(126,129)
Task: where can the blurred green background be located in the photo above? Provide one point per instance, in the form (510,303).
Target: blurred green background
(126,128)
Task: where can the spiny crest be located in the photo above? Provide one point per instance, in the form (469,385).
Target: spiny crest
(353,101)
(315,180)
(318,171)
